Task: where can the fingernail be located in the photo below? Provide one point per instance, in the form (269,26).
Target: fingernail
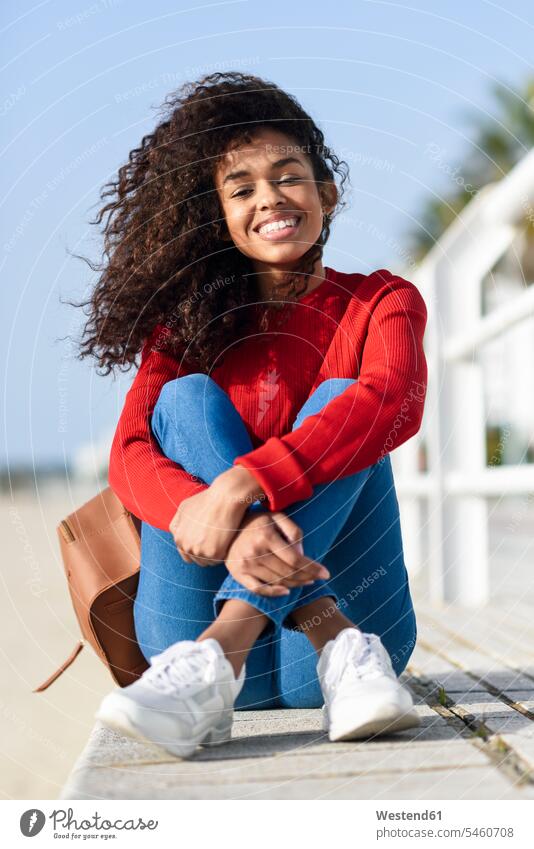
(308,583)
(323,573)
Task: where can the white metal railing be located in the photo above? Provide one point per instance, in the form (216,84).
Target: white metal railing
(458,480)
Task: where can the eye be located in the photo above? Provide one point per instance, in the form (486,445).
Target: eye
(283,180)
(240,193)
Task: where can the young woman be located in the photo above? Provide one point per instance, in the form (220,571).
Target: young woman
(254,440)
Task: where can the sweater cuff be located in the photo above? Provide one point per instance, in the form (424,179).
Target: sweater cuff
(172,497)
(279,473)
(156,505)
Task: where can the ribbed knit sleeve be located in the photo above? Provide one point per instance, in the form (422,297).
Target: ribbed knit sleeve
(371,417)
(149,484)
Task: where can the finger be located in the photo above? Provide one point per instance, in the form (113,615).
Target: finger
(291,585)
(262,570)
(256,586)
(290,530)
(290,552)
(183,555)
(312,567)
(203,561)
(256,572)
(279,571)
(303,571)
(271,591)
(286,575)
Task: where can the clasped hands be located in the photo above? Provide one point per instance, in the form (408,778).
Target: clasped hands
(262,550)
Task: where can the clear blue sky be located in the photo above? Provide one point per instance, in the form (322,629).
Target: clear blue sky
(383,79)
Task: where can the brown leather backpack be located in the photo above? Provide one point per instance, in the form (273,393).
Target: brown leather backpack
(100,544)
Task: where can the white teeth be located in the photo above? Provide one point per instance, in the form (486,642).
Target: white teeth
(278,225)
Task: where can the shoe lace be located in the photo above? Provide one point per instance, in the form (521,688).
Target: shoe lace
(180,671)
(372,662)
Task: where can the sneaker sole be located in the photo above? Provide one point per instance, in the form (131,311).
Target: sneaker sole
(219,735)
(375,727)
(119,721)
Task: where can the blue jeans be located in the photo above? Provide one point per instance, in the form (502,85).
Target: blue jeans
(351,525)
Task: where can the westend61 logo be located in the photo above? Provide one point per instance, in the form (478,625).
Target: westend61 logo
(65,824)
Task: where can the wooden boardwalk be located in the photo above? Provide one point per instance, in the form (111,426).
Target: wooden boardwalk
(473,678)
(472,674)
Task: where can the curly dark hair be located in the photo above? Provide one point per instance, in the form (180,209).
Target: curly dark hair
(164,223)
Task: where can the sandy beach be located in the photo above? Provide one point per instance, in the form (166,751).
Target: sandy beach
(42,732)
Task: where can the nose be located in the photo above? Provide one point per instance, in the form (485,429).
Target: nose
(269,193)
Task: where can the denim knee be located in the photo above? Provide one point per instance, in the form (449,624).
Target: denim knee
(194,385)
(167,404)
(330,388)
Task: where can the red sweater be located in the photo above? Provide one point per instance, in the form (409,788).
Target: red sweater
(368,327)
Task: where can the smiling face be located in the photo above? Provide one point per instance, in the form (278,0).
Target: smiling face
(273,207)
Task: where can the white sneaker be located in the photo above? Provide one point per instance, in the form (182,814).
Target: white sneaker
(363,696)
(184,699)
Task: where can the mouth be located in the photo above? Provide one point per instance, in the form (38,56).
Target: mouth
(283,228)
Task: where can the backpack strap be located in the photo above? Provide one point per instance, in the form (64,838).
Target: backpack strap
(71,658)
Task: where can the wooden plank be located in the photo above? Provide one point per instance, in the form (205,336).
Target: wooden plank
(438,669)
(483,711)
(488,632)
(521,742)
(468,656)
(475,782)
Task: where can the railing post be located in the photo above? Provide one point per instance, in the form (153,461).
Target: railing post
(464,524)
(453,273)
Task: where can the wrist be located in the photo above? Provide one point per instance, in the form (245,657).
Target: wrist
(241,485)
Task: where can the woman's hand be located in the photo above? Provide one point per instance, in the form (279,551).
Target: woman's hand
(267,557)
(206,523)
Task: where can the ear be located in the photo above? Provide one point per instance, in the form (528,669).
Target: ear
(329,196)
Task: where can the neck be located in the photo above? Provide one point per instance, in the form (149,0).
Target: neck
(270,278)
